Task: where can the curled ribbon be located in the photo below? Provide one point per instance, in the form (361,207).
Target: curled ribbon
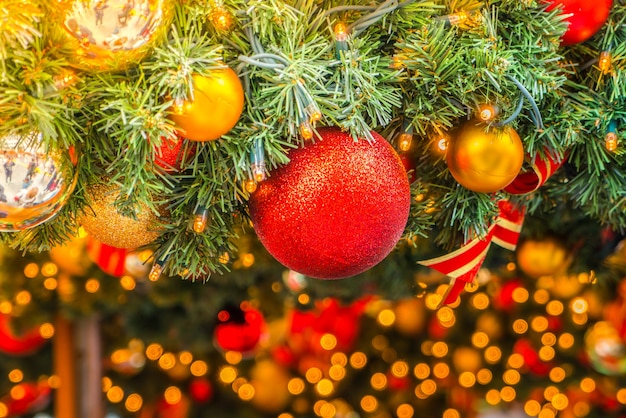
(463,264)
(530,181)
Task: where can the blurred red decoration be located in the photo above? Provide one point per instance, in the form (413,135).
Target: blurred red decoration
(22,344)
(531,358)
(111,260)
(239,328)
(503,300)
(26,398)
(200,390)
(585,18)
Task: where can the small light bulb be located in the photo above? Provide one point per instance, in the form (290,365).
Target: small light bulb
(250,185)
(155,272)
(179,106)
(442,144)
(221,18)
(258,170)
(341,32)
(404,142)
(487,112)
(396,63)
(306,131)
(64,79)
(457,18)
(610,141)
(314,113)
(605,62)
(199,222)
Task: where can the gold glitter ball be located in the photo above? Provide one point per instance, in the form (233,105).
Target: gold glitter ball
(105,224)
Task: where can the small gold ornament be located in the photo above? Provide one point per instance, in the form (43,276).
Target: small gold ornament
(485,161)
(216,107)
(111,35)
(104,223)
(35,183)
(546,257)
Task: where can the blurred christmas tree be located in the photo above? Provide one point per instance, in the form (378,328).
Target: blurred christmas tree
(368,140)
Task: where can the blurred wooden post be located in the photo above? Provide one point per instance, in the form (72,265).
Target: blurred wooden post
(64,357)
(89,367)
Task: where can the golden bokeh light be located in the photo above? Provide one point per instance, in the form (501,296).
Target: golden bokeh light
(337,372)
(31,270)
(228,374)
(507,394)
(511,377)
(493,354)
(325,387)
(378,381)
(115,394)
(493,397)
(172,395)
(386,317)
(400,368)
(520,295)
(199,368)
(154,351)
(339,359)
(515,361)
(441,370)
(167,361)
(484,376)
(16,375)
(421,370)
(480,339)
(328,342)
(296,386)
(405,411)
(134,402)
(467,379)
(313,375)
(566,340)
(532,408)
(358,360)
(520,326)
(369,403)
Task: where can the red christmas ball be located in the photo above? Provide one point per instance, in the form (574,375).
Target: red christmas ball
(336,209)
(23,344)
(201,390)
(586,17)
(173,155)
(239,329)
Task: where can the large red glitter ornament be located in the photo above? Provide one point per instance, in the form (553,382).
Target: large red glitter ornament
(336,209)
(585,18)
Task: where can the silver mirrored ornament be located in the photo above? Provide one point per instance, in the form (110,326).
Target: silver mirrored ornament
(111,35)
(34,184)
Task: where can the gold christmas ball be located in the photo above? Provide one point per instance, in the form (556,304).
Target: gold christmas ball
(70,257)
(215,109)
(35,183)
(484,161)
(104,223)
(269,381)
(111,35)
(542,258)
